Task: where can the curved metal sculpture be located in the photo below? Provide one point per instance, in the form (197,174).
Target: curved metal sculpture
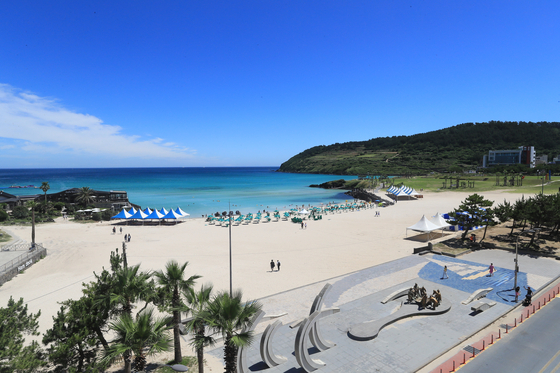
(268,356)
(370,329)
(300,348)
(315,336)
(241,357)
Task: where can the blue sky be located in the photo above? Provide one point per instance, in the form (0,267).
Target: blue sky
(252,83)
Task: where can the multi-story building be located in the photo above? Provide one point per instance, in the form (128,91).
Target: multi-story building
(523,155)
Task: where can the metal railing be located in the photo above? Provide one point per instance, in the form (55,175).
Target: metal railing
(24,257)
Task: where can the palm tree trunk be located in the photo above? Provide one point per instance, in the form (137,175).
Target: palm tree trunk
(177,337)
(230,356)
(33,227)
(127,363)
(200,358)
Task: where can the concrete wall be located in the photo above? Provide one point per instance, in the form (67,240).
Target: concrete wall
(24,262)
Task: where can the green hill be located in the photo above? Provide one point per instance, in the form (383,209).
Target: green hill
(450,149)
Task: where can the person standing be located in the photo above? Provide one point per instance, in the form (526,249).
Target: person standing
(444,273)
(305,225)
(278,265)
(121,229)
(271,265)
(129,237)
(491,269)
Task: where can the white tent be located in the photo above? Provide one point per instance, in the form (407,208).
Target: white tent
(440,221)
(424,226)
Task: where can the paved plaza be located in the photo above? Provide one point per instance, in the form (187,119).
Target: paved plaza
(408,344)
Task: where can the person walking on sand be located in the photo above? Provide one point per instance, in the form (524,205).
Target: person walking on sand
(491,269)
(444,273)
(121,230)
(114,230)
(301,225)
(305,225)
(129,237)
(278,265)
(271,265)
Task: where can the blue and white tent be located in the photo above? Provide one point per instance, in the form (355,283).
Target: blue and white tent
(140,215)
(122,215)
(181,212)
(155,215)
(172,215)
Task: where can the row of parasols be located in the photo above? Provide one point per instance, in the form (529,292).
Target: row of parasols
(149,214)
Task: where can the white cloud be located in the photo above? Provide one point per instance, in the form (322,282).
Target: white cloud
(44,126)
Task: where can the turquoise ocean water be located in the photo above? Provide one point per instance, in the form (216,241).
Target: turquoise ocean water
(198,191)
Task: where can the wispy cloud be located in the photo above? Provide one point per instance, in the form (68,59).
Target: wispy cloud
(42,125)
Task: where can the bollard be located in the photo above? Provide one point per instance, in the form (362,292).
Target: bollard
(527,314)
(544,302)
(539,305)
(453,366)
(499,333)
(506,328)
(473,352)
(483,345)
(492,340)
(549,297)
(464,362)
(533,308)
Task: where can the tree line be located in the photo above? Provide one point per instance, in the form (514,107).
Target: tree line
(539,211)
(120,304)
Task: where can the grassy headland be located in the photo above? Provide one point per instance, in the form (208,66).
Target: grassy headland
(452,149)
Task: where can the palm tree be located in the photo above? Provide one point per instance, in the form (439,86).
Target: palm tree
(197,304)
(44,187)
(229,315)
(130,285)
(172,281)
(85,196)
(140,338)
(32,205)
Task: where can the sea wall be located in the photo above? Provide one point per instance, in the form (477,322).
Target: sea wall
(19,264)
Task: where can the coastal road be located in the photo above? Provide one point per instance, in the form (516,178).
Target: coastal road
(532,347)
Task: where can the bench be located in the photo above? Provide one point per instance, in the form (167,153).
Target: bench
(482,306)
(476,295)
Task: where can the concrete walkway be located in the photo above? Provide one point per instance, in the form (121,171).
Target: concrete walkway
(408,344)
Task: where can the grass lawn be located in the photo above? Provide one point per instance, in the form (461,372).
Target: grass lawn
(531,184)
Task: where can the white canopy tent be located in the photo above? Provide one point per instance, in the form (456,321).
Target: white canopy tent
(424,226)
(439,220)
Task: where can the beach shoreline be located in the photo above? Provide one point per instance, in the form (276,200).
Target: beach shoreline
(336,245)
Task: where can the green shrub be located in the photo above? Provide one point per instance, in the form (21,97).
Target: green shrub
(20,212)
(58,206)
(70,209)
(106,215)
(3,215)
(96,216)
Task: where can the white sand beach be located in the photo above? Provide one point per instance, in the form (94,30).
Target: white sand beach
(337,244)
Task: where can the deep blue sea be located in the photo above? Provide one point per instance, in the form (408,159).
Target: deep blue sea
(197,191)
